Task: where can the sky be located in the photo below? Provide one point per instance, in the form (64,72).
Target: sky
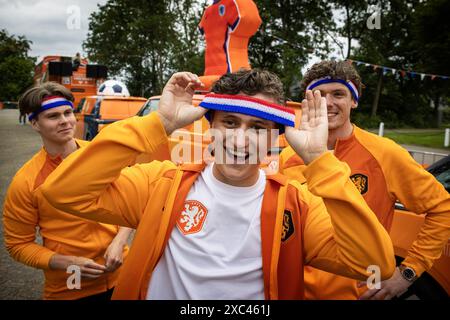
(54,27)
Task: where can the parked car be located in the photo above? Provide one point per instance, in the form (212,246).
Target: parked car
(93,113)
(434,284)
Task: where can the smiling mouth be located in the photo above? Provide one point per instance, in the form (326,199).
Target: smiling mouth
(237,155)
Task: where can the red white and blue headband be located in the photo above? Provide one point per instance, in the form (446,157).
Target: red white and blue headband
(50,102)
(349,84)
(250,106)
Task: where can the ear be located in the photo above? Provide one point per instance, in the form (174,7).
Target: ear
(354,104)
(35,125)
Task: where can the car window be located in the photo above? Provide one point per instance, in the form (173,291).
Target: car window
(87,106)
(80,105)
(151,106)
(444,178)
(95,111)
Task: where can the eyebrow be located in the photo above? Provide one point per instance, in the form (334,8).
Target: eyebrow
(230,117)
(52,114)
(58,113)
(333,91)
(261,122)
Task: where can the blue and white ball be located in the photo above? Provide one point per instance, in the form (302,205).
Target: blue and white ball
(113,88)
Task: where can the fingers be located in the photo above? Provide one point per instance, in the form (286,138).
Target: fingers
(186,80)
(92,270)
(311,108)
(94,266)
(321,103)
(112,263)
(314,107)
(368,294)
(381,295)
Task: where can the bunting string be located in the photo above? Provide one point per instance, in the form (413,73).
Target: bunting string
(402,73)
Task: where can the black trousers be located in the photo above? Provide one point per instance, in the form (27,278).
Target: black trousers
(104,296)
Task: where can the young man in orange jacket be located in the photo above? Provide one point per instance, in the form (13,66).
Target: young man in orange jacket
(70,244)
(224,229)
(383,172)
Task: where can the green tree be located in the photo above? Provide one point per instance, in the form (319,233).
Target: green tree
(188,46)
(291,32)
(145,40)
(431,46)
(16,67)
(407,40)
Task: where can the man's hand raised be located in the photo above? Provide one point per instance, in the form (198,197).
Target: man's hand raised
(310,140)
(175,106)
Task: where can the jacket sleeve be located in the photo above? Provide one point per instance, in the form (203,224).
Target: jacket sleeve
(20,219)
(419,192)
(341,233)
(95,183)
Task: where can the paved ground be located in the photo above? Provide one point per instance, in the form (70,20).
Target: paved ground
(18,144)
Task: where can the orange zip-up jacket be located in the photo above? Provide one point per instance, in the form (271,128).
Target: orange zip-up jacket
(296,227)
(383,172)
(25,209)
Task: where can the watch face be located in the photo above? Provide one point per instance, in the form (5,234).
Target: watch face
(408,273)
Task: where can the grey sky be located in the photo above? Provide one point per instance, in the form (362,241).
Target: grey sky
(45,22)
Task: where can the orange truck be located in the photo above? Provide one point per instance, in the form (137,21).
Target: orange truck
(76,74)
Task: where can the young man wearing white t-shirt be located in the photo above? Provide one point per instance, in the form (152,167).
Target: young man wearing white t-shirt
(224,230)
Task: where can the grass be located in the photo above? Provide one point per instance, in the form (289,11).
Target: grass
(432,138)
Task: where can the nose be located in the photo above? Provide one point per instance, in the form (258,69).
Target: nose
(239,138)
(63,119)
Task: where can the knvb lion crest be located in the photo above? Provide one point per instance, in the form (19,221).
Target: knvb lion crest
(192,217)
(361,182)
(288,226)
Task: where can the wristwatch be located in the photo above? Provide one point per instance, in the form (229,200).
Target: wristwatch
(407,273)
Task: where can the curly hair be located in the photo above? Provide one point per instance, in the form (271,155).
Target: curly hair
(251,82)
(334,69)
(31,100)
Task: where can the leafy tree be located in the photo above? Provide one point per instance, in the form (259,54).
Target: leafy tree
(291,32)
(141,40)
(133,39)
(431,46)
(188,47)
(408,41)
(16,67)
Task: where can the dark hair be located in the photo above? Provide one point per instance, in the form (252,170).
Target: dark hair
(334,69)
(251,82)
(31,100)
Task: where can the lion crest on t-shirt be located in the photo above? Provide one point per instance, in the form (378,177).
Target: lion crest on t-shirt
(192,218)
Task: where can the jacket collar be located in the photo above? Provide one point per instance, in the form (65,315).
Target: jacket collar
(199,167)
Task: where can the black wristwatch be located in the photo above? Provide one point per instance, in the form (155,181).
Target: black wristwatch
(407,273)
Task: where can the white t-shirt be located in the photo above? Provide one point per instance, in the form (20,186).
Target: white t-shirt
(214,251)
